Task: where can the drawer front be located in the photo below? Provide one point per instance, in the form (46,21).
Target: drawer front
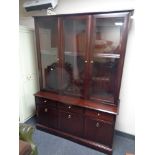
(71,123)
(40,100)
(100,115)
(99,131)
(47,116)
(70,108)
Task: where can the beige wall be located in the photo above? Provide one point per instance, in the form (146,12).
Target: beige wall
(125,120)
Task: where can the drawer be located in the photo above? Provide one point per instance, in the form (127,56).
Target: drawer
(70,108)
(99,115)
(99,131)
(71,123)
(41,100)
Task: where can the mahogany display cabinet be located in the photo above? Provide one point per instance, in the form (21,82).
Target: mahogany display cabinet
(80,61)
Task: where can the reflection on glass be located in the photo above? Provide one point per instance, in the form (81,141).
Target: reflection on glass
(49,53)
(108,35)
(75,48)
(103,79)
(106,53)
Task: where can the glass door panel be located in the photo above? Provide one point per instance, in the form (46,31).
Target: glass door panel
(75,46)
(105,57)
(48,35)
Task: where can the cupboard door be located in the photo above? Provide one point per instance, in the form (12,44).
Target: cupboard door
(75,43)
(99,131)
(48,53)
(105,56)
(47,116)
(71,123)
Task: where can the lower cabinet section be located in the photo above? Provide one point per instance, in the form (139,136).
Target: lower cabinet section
(83,125)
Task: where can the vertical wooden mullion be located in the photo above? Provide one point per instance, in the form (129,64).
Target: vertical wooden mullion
(60,54)
(88,56)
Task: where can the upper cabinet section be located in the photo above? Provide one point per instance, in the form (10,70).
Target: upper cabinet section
(82,55)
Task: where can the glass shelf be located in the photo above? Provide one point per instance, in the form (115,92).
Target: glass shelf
(107,55)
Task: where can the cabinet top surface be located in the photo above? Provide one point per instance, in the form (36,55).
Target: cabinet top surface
(90,13)
(111,109)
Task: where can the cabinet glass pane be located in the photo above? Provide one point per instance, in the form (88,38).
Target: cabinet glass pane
(105,58)
(74,55)
(108,35)
(48,35)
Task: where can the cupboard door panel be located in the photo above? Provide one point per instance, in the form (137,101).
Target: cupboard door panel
(99,131)
(75,44)
(47,116)
(71,123)
(49,55)
(43,115)
(105,56)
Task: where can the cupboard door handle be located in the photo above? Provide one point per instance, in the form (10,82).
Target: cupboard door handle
(69,116)
(45,109)
(91,61)
(97,124)
(45,101)
(57,59)
(85,61)
(69,107)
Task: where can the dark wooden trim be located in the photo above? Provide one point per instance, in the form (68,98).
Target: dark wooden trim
(111,109)
(94,145)
(91,13)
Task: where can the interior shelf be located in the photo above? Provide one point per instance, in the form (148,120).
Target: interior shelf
(107,55)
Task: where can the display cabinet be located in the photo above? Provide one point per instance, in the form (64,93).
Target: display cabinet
(80,61)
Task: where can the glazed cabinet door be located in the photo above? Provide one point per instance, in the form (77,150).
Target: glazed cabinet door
(48,48)
(75,46)
(106,56)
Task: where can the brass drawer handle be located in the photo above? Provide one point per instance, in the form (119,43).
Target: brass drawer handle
(97,124)
(69,116)
(45,109)
(69,107)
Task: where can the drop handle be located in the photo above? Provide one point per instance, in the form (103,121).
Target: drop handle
(97,124)
(45,109)
(69,116)
(57,59)
(98,114)
(45,101)
(85,61)
(91,61)
(69,107)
